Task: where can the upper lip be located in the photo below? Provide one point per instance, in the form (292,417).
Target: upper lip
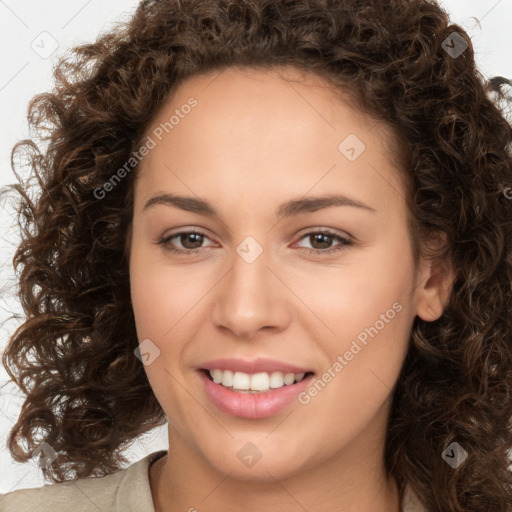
(253,366)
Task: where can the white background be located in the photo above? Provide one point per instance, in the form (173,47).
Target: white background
(24,73)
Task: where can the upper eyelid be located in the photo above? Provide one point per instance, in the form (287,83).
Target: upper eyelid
(186,232)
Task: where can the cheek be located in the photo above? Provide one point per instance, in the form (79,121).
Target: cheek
(161,294)
(364,313)
(351,297)
(366,343)
(169,306)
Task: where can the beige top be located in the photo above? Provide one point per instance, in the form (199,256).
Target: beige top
(126,490)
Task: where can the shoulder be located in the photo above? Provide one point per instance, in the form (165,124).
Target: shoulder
(123,491)
(79,495)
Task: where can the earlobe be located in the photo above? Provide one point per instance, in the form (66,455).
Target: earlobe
(430,311)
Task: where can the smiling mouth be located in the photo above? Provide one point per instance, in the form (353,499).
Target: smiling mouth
(262,382)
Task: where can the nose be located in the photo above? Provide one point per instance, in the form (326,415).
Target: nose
(250,298)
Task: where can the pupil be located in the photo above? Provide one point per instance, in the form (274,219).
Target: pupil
(317,237)
(191,236)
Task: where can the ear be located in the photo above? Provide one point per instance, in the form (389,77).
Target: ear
(433,285)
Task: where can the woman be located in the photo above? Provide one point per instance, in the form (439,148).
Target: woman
(193,152)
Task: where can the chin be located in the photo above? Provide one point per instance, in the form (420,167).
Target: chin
(263,461)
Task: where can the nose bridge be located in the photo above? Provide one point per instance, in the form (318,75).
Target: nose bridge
(249,294)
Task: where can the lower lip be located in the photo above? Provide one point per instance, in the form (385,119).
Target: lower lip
(253,405)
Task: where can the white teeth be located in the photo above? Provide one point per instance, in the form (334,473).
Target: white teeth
(276,380)
(241,380)
(262,381)
(216,376)
(227,378)
(289,378)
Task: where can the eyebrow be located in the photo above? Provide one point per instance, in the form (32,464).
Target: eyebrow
(288,209)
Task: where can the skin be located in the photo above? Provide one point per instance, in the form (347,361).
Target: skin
(254,141)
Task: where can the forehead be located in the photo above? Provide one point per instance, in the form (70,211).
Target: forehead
(268,126)
(268,96)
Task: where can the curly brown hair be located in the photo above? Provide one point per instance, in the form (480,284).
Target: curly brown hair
(73,357)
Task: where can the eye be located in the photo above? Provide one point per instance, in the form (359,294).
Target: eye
(323,238)
(191,242)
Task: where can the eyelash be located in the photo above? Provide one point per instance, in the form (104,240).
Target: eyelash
(345,243)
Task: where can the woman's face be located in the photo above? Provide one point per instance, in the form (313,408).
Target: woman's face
(260,283)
